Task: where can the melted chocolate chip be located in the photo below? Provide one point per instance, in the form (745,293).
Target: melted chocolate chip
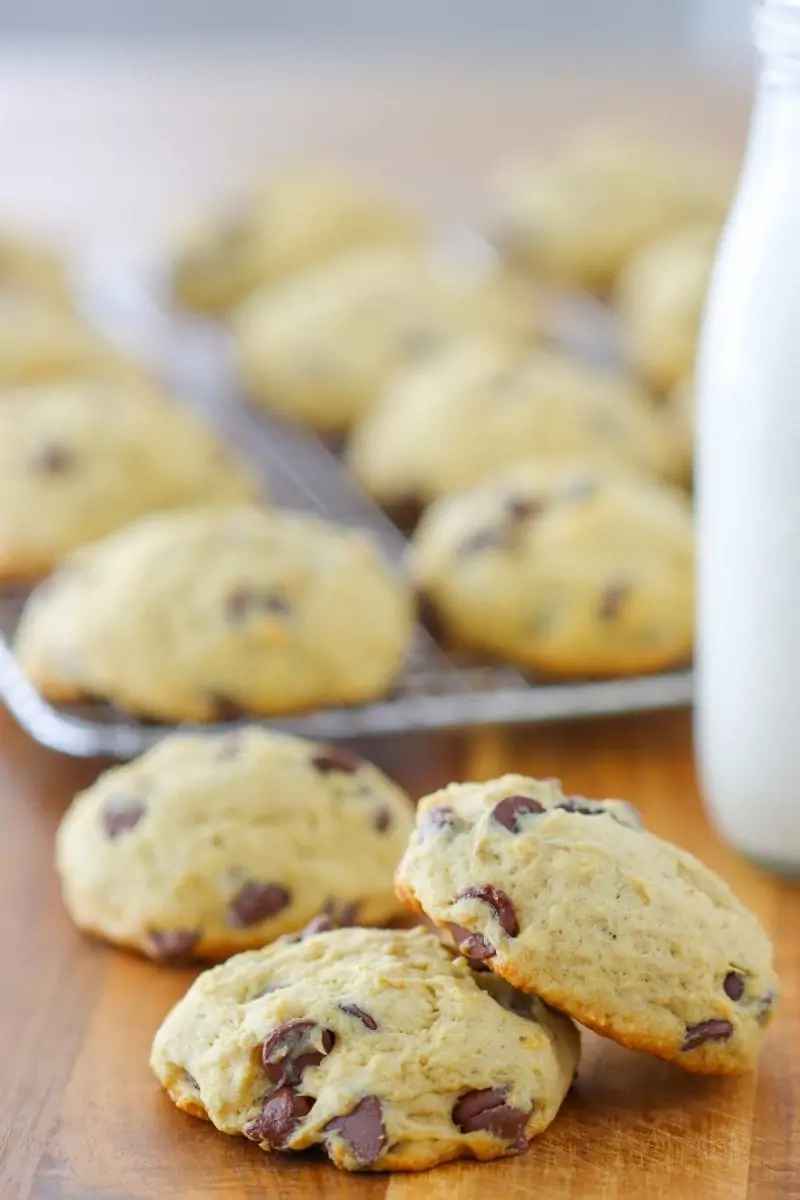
(244,602)
(282,1112)
(173,945)
(53,459)
(521,509)
(612,600)
(333,758)
(362,1130)
(226,709)
(509,811)
(120,816)
(382,820)
(256,902)
(706,1031)
(292,1047)
(499,902)
(579,804)
(353,1010)
(343,914)
(733,985)
(487,1110)
(473,946)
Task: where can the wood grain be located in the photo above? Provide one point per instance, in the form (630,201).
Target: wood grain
(82,1118)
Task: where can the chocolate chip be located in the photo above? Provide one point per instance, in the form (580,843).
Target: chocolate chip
(362,1129)
(579,804)
(520,509)
(353,1010)
(487,1110)
(190,1079)
(474,946)
(53,459)
(509,811)
(244,602)
(497,900)
(484,539)
(333,758)
(612,600)
(382,820)
(226,709)
(120,816)
(706,1031)
(256,902)
(292,1047)
(282,1112)
(733,985)
(173,945)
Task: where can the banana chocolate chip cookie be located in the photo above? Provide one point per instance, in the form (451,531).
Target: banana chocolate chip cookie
(81,458)
(205,614)
(372,1044)
(571,570)
(209,845)
(572,900)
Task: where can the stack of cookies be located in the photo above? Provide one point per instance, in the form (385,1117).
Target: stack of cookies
(402,1048)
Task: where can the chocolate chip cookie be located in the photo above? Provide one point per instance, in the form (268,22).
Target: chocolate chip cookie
(321,348)
(486,405)
(372,1044)
(578,216)
(79,459)
(209,845)
(296,217)
(572,900)
(660,296)
(206,614)
(572,571)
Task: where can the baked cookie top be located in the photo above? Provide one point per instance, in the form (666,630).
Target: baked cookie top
(580,214)
(570,569)
(296,217)
(373,1044)
(202,614)
(660,296)
(572,900)
(321,347)
(488,404)
(211,844)
(83,457)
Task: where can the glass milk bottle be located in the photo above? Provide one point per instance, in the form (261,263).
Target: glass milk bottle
(748,479)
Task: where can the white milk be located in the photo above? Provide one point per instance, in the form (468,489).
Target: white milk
(748,475)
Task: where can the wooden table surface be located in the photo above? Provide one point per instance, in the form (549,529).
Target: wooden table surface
(98,155)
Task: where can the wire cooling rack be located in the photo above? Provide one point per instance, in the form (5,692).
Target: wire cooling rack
(435,689)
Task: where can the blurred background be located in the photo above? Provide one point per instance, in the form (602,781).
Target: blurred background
(117,118)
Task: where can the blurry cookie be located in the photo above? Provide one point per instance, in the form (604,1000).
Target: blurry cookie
(578,216)
(209,845)
(42,339)
(321,348)
(571,571)
(295,218)
(204,614)
(81,458)
(660,297)
(572,900)
(484,406)
(680,403)
(372,1044)
(28,266)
